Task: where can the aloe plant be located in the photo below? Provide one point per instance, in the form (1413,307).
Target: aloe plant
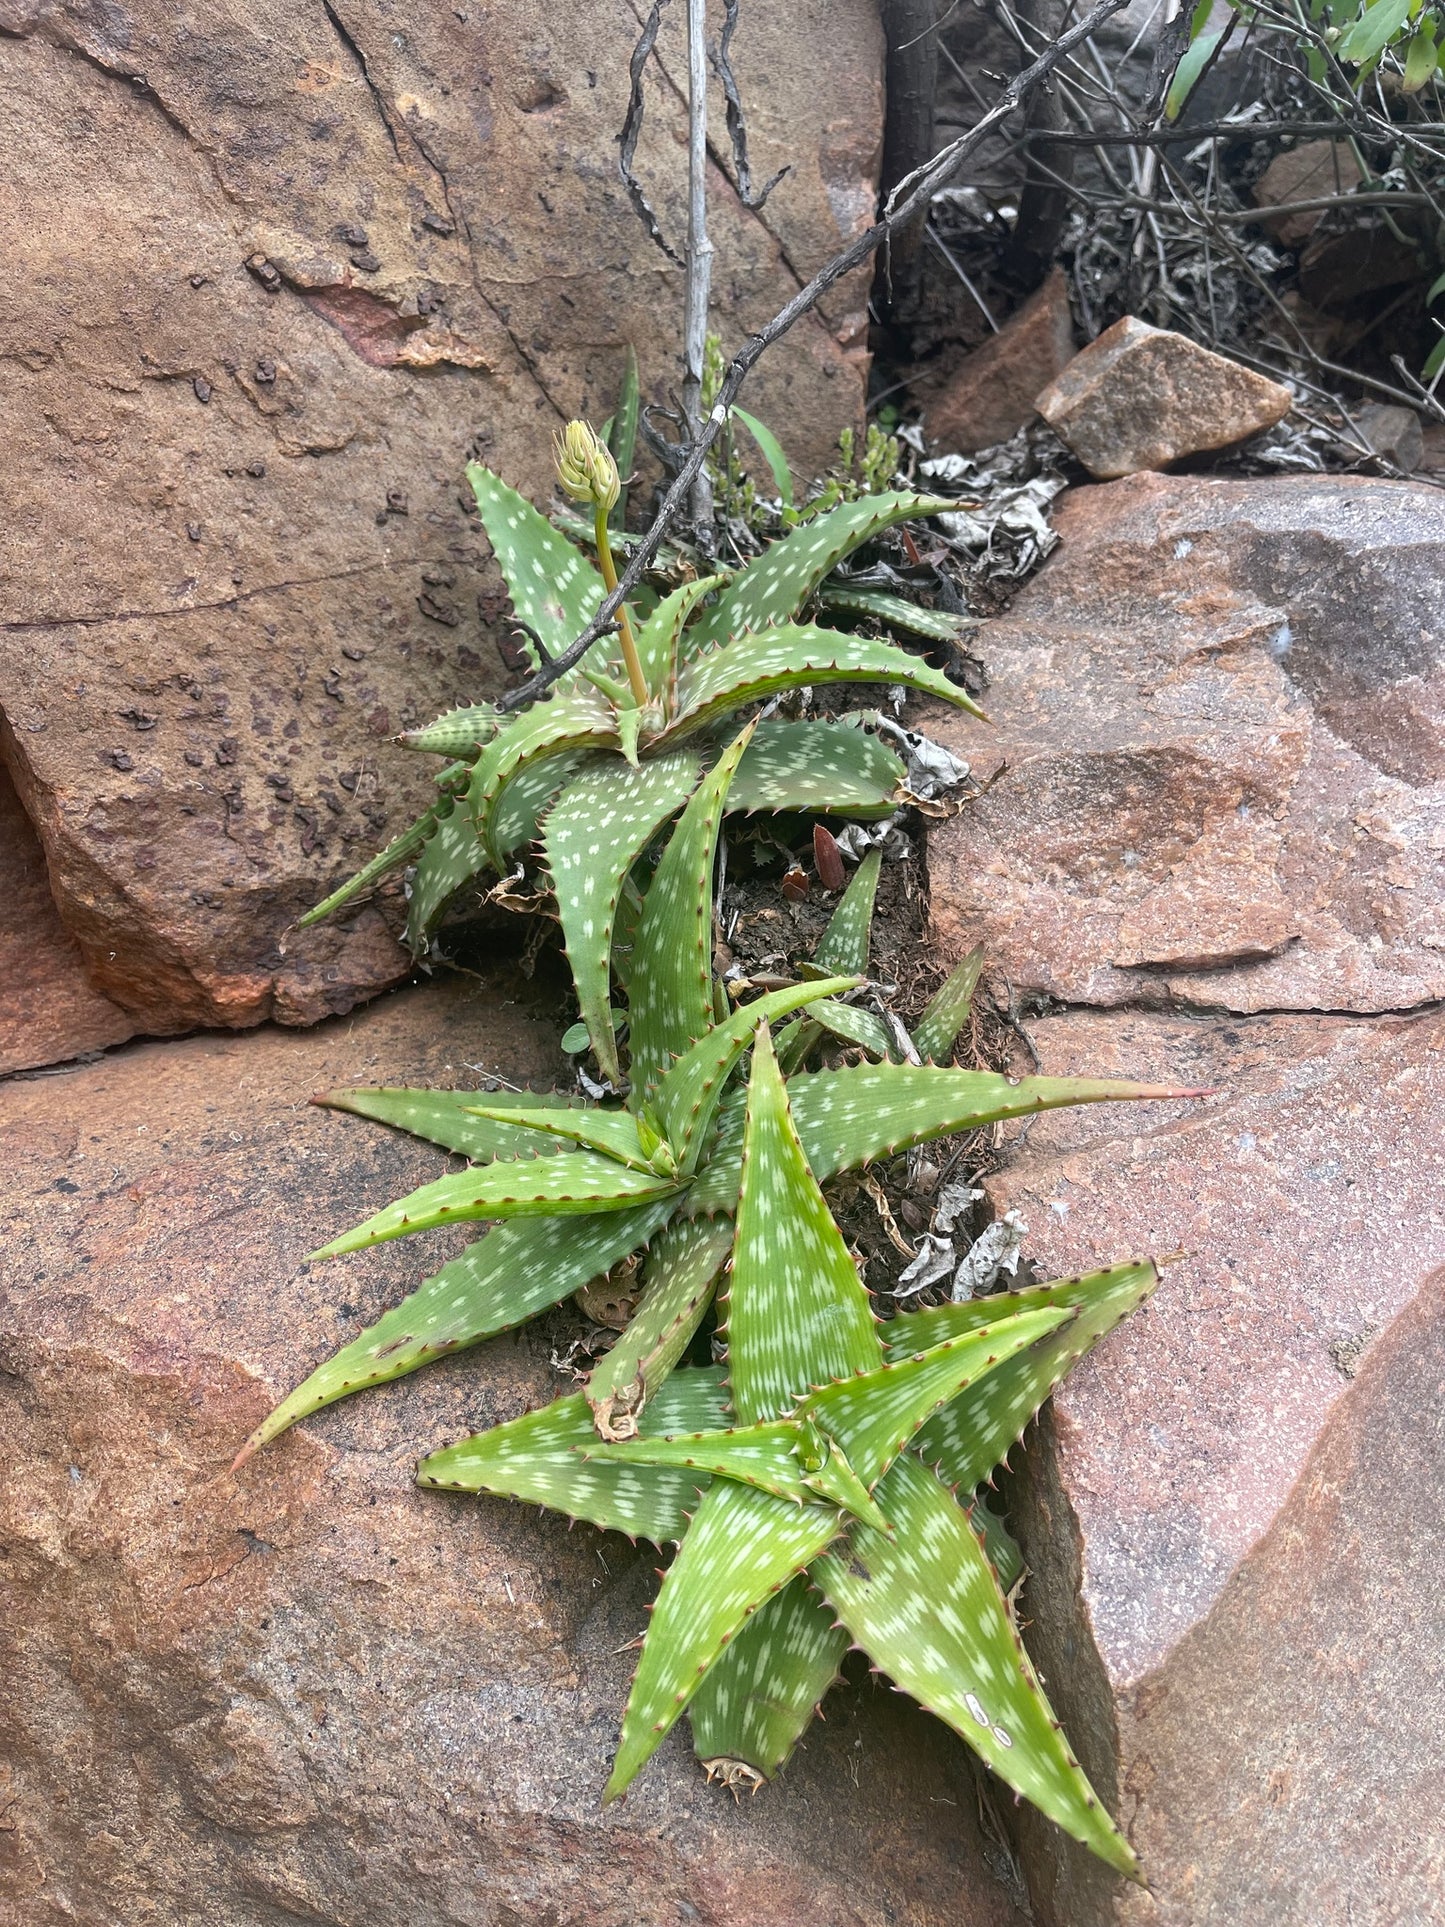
(600,767)
(661,1173)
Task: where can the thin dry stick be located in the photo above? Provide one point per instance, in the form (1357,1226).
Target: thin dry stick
(911,195)
(699,260)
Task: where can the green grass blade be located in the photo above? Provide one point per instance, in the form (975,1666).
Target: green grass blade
(402,849)
(578,1184)
(843,947)
(874,1415)
(757,1698)
(974,1431)
(554,588)
(936,1031)
(773,587)
(847,1118)
(825,769)
(928,1610)
(687,1097)
(592,836)
(772,452)
(622,433)
(934,625)
(536,1459)
(742,1546)
(442,1117)
(682,1272)
(670,986)
(797,1315)
(452,857)
(792,656)
(505,1278)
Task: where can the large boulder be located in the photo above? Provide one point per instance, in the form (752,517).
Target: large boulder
(271,276)
(309,1690)
(1214,859)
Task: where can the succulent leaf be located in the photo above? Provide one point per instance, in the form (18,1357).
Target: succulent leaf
(936,1031)
(612,1132)
(771,588)
(826,769)
(461,732)
(759,1695)
(772,452)
(772,1457)
(401,849)
(741,1546)
(592,836)
(682,1271)
(793,655)
(621,433)
(670,983)
(855,1026)
(688,1094)
(797,1315)
(575,720)
(536,1458)
(452,857)
(843,947)
(975,1430)
(443,1117)
(849,1117)
(554,588)
(935,625)
(516,813)
(657,638)
(927,1607)
(873,1416)
(580,1183)
(505,1278)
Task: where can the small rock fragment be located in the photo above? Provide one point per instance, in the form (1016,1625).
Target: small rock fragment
(1314,171)
(1394,434)
(1142,397)
(991,395)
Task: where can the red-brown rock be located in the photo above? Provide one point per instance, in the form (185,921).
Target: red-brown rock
(1220,709)
(1313,171)
(1142,397)
(271,276)
(991,395)
(1235,1508)
(49,1009)
(312,1691)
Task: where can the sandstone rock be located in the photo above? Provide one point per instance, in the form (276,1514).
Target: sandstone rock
(991,396)
(1394,433)
(1142,397)
(312,1691)
(1235,1509)
(1220,710)
(1313,171)
(270,278)
(49,1009)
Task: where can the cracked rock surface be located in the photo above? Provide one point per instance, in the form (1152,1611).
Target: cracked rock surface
(270,276)
(311,1691)
(1214,859)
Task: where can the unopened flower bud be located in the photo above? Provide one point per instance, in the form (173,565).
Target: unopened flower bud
(585,467)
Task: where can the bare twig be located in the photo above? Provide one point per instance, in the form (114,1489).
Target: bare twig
(632,129)
(699,261)
(909,198)
(737,125)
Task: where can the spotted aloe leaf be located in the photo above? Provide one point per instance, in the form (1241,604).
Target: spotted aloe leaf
(516,814)
(975,1431)
(937,1030)
(517,1270)
(797,1315)
(670,984)
(569,721)
(595,1127)
(741,1546)
(658,637)
(446,1118)
(934,625)
(581,1184)
(767,1457)
(538,1458)
(793,655)
(402,849)
(682,1274)
(874,1414)
(452,857)
(855,1026)
(927,1607)
(847,1118)
(843,947)
(554,588)
(826,769)
(771,588)
(461,732)
(592,836)
(759,1695)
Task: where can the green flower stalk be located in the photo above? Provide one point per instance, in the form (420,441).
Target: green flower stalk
(587,473)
